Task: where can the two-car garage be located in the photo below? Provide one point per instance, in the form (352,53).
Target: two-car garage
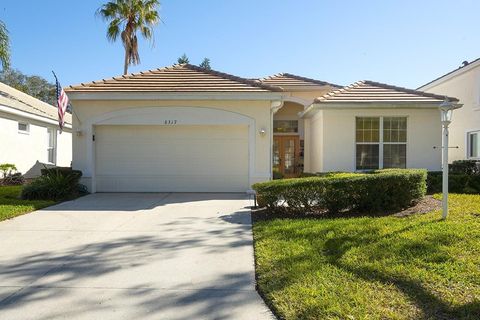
(171,158)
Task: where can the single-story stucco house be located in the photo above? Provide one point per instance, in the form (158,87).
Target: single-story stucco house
(29,136)
(463,83)
(186,129)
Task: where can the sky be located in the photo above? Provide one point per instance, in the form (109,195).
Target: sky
(404,42)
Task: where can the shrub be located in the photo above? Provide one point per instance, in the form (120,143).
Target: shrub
(276,175)
(468,167)
(53,185)
(457,182)
(10,176)
(374,192)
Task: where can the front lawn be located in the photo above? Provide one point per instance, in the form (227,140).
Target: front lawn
(415,267)
(11,206)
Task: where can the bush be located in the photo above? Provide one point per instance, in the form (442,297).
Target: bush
(378,191)
(468,167)
(457,182)
(10,176)
(54,185)
(276,175)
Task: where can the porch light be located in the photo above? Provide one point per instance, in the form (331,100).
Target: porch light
(446,114)
(262,131)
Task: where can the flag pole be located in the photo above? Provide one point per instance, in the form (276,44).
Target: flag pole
(71,106)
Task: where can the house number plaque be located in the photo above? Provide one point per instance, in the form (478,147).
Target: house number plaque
(170,122)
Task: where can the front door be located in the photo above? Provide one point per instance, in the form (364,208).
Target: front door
(286,155)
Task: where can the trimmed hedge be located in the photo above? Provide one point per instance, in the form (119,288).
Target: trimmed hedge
(457,183)
(373,192)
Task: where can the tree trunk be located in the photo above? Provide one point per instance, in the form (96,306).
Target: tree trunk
(125,64)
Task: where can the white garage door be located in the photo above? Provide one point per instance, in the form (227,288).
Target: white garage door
(171,158)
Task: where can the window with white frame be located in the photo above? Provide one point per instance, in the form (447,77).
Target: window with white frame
(52,141)
(23,127)
(473,145)
(381,142)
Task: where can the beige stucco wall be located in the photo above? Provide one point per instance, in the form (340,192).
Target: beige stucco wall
(290,111)
(25,150)
(466,88)
(258,111)
(332,140)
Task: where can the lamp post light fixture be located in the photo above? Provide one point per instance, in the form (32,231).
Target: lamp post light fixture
(446,113)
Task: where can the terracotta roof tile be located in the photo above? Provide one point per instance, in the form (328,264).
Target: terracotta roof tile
(370,91)
(291,80)
(176,78)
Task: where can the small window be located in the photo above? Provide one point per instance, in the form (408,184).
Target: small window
(52,141)
(285,126)
(23,127)
(473,145)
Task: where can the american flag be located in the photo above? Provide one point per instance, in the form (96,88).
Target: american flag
(62,103)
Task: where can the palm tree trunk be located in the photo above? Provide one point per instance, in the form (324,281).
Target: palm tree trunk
(125,64)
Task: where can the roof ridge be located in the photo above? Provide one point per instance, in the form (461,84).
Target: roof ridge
(228,76)
(321,82)
(412,91)
(358,84)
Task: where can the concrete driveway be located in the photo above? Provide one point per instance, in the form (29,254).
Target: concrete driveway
(131,256)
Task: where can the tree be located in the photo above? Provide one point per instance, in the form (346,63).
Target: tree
(35,86)
(205,64)
(183,59)
(126,18)
(4,46)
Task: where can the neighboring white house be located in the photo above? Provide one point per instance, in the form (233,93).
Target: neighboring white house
(29,136)
(463,83)
(186,129)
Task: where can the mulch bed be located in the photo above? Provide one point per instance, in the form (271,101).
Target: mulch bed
(427,204)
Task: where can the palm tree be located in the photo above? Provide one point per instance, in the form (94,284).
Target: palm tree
(4,47)
(127,17)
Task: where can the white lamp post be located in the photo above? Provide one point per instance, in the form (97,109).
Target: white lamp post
(446,113)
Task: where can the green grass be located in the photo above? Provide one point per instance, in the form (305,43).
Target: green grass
(373,268)
(11,206)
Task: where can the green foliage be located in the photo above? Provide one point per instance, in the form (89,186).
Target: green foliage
(7,169)
(11,205)
(126,18)
(457,182)
(35,86)
(276,175)
(335,192)
(416,267)
(205,64)
(9,175)
(4,46)
(183,59)
(469,167)
(54,184)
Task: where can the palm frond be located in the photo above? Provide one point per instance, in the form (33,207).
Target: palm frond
(126,18)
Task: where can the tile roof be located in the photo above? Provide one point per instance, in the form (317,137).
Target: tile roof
(13,98)
(176,78)
(370,91)
(291,80)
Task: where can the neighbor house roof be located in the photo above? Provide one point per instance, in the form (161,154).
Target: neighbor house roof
(15,99)
(291,80)
(176,78)
(453,73)
(370,91)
